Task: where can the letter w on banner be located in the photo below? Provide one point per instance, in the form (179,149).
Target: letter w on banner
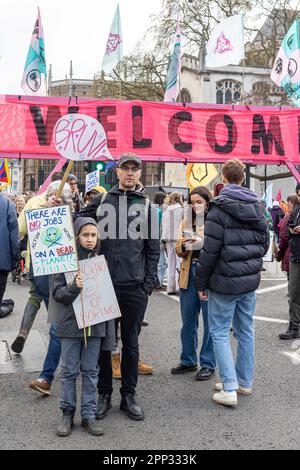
(286,69)
(226,43)
(35,72)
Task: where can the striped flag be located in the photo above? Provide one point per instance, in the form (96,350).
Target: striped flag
(174,70)
(286,69)
(34,81)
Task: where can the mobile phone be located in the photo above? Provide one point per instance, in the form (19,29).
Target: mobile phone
(187,234)
(293,226)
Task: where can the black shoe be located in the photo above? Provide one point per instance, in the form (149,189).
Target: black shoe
(92,427)
(18,345)
(145,323)
(64,429)
(172,293)
(131,408)
(205,374)
(292,332)
(181,369)
(103,406)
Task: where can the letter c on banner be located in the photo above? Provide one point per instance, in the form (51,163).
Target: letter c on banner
(175,140)
(231,133)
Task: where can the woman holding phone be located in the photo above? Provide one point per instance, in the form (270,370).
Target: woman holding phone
(188,247)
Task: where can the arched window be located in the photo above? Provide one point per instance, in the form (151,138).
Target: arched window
(184,96)
(228,91)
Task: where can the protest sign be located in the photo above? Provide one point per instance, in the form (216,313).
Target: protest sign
(92,180)
(52,240)
(99,299)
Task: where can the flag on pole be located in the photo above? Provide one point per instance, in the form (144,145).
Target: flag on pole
(286,69)
(200,174)
(267,197)
(226,43)
(114,46)
(174,69)
(34,81)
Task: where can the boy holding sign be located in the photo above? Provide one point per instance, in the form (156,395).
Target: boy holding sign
(75,356)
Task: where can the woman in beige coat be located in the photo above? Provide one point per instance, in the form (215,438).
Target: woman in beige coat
(188,247)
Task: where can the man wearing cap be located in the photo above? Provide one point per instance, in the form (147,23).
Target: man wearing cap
(131,248)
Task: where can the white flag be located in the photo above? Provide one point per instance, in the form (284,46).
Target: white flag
(34,81)
(174,70)
(226,43)
(114,47)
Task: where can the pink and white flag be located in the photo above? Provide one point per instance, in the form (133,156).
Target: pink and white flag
(226,43)
(114,46)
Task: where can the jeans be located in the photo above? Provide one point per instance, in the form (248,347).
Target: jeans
(77,358)
(237,311)
(53,356)
(133,302)
(190,309)
(162,266)
(3,282)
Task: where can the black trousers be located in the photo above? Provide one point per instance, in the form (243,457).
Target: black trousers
(3,282)
(133,302)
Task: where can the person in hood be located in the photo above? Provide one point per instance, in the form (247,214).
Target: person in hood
(171,220)
(228,274)
(277,214)
(129,232)
(75,356)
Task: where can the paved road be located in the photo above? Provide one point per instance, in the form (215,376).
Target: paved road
(179,411)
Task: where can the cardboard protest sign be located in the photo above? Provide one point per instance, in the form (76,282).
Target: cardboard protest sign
(79,137)
(99,299)
(92,180)
(52,240)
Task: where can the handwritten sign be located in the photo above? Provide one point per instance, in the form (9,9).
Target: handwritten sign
(99,299)
(52,240)
(79,137)
(92,180)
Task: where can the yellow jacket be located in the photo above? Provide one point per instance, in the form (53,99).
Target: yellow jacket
(186,255)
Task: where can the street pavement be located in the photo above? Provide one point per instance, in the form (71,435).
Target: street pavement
(180,413)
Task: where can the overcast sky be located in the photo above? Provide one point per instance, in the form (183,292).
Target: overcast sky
(74,29)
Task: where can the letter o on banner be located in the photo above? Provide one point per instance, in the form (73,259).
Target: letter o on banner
(230,128)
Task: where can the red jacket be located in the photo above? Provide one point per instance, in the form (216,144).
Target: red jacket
(284,243)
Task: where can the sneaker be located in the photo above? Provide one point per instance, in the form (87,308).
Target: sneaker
(144,369)
(93,427)
(41,386)
(225,398)
(116,365)
(240,391)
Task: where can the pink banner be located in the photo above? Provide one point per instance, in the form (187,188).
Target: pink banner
(156,131)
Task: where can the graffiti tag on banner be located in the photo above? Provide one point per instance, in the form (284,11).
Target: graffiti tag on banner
(92,180)
(52,240)
(99,299)
(79,137)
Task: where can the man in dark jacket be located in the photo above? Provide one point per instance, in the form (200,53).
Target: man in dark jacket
(236,239)
(129,234)
(293,330)
(10,245)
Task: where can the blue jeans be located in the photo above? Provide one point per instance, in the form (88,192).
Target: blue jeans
(190,310)
(237,311)
(53,356)
(77,358)
(162,266)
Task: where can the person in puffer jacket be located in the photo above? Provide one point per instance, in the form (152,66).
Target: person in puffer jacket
(75,356)
(228,274)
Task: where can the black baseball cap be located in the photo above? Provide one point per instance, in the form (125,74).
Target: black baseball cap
(130,157)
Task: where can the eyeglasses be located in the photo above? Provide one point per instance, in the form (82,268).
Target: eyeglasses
(126,168)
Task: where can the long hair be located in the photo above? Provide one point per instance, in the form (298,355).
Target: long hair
(174,198)
(202,191)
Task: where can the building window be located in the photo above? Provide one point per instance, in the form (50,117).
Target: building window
(184,96)
(228,91)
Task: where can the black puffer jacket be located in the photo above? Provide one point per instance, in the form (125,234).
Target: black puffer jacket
(236,239)
(131,262)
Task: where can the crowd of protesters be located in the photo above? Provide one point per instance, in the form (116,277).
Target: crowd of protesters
(209,250)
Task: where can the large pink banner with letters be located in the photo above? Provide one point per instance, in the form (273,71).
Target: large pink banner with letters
(154,131)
